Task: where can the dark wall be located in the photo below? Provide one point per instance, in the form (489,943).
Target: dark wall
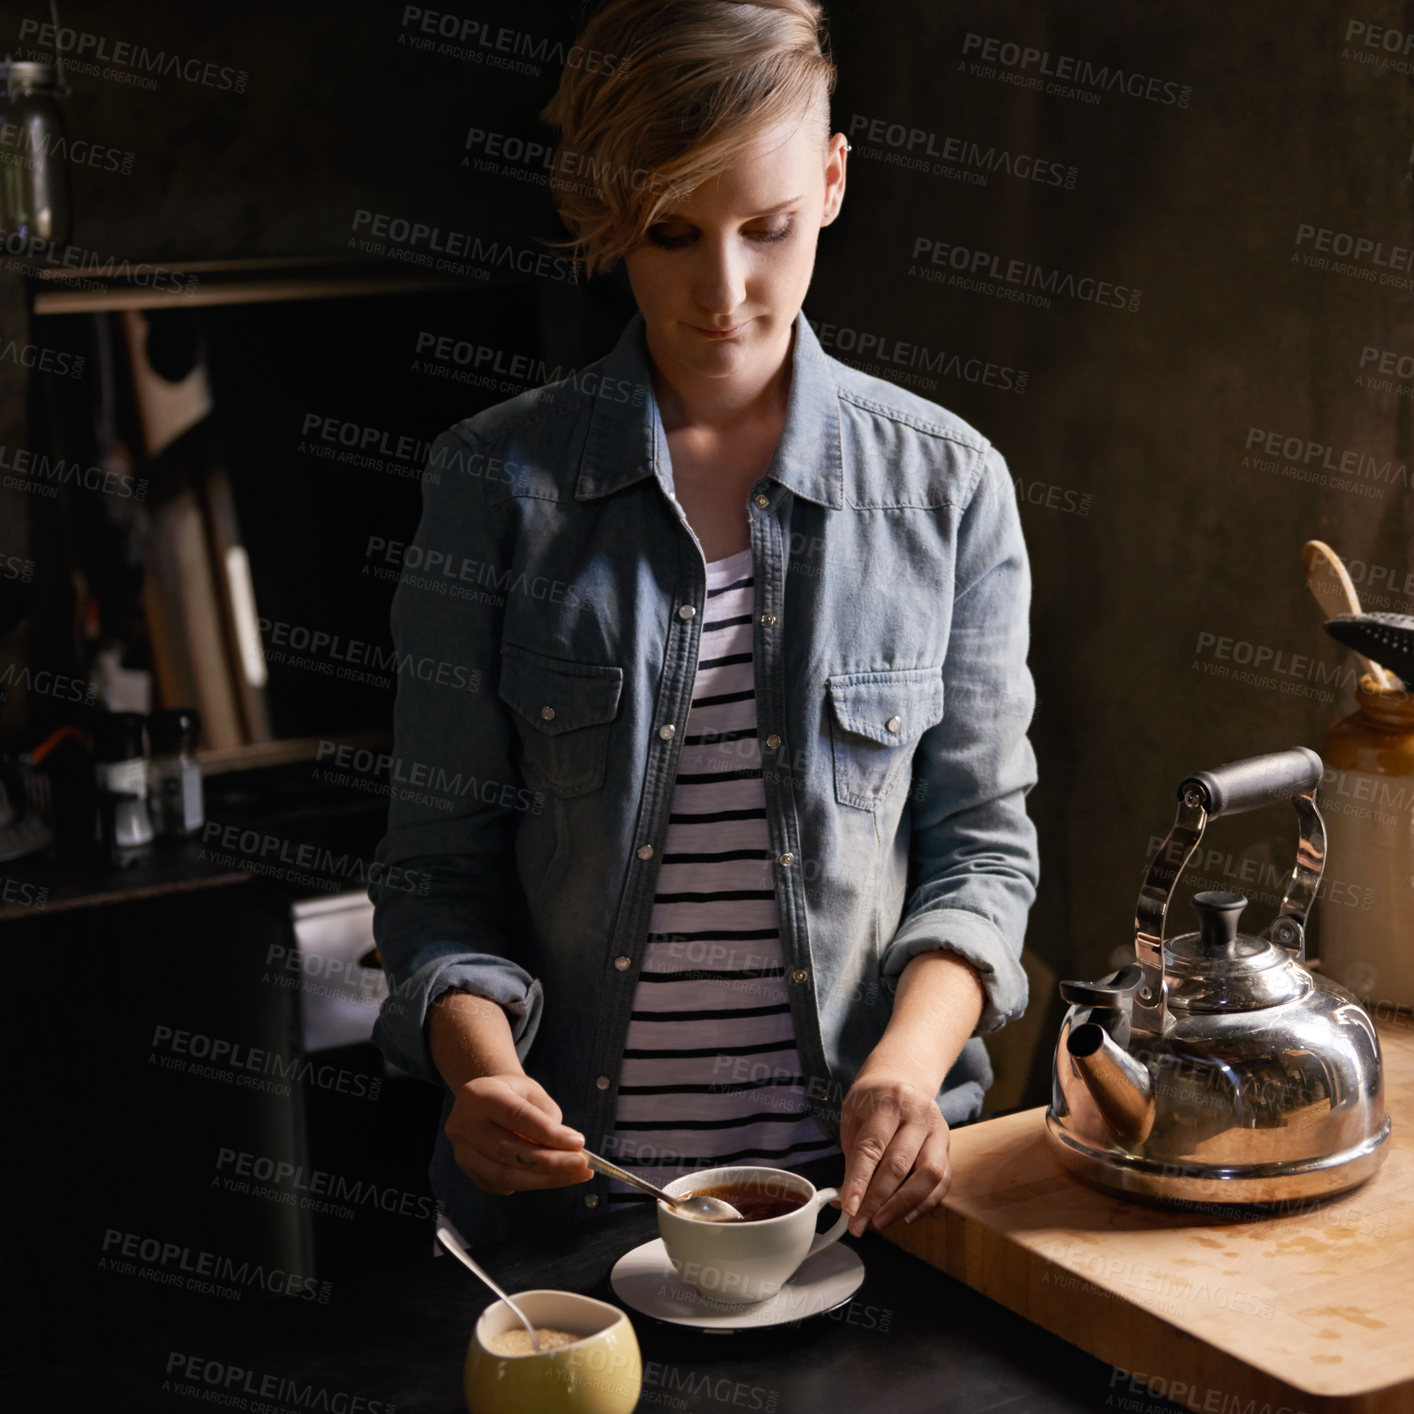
(1154,539)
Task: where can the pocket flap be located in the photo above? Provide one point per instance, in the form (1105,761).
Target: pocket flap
(556,695)
(866,703)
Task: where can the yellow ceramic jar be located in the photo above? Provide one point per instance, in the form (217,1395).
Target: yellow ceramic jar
(601,1373)
(1366,916)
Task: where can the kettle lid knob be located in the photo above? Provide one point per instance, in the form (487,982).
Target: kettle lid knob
(1218,913)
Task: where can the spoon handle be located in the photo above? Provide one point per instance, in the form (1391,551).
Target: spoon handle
(451,1239)
(632,1179)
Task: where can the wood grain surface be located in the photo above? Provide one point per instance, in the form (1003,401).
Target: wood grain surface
(1310,1311)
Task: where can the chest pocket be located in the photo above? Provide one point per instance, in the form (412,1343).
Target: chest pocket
(563,711)
(876,720)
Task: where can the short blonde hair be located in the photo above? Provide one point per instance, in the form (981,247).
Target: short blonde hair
(686,85)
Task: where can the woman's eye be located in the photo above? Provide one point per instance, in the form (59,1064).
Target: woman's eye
(776,233)
(660,237)
(676,240)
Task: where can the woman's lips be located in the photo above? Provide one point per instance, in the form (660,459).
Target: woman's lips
(720,333)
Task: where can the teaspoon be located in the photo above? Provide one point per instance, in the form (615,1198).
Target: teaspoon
(451,1239)
(711,1210)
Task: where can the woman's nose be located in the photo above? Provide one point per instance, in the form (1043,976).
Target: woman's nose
(720,278)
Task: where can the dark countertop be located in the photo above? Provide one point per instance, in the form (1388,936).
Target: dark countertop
(911,1340)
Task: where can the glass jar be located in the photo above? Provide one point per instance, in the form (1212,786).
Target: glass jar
(174,774)
(1367,801)
(120,775)
(35,203)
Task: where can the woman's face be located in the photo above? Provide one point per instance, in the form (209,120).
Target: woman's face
(736,256)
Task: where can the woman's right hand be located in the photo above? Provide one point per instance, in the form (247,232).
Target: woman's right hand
(507,1136)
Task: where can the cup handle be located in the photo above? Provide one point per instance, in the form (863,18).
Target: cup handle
(823,1239)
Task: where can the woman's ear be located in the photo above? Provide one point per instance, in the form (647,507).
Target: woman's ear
(834,177)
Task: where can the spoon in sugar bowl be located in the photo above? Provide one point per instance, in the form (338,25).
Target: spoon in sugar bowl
(451,1239)
(710,1210)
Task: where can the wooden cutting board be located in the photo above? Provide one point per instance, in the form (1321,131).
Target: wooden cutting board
(1313,1310)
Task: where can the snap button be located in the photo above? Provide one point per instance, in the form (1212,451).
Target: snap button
(773,741)
(799,975)
(645,851)
(894,723)
(603,1082)
(787,859)
(686,611)
(768,619)
(623,963)
(591,1200)
(548,713)
(761,500)
(666,731)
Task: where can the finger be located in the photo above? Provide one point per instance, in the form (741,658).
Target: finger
(520,1116)
(890,1173)
(511,1151)
(541,1098)
(517,1179)
(925,1186)
(863,1152)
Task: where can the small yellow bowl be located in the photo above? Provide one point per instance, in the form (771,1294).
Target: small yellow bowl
(601,1373)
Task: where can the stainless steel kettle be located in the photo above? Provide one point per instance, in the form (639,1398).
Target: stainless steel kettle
(1216,1068)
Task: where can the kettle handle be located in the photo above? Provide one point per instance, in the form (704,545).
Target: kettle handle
(1229,789)
(1237,786)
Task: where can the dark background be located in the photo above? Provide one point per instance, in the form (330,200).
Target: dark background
(1149,537)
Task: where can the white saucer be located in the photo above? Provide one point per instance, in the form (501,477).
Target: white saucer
(646,1280)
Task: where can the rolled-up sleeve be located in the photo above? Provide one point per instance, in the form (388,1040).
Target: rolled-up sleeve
(449,913)
(973,866)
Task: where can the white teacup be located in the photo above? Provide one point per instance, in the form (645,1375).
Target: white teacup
(745,1262)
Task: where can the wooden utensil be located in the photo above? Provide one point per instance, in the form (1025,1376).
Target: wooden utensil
(1328,579)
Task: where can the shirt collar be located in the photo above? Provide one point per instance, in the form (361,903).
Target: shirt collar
(626,442)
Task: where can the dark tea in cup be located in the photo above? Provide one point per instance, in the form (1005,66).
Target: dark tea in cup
(754,1200)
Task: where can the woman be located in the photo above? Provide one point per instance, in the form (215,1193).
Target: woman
(736,862)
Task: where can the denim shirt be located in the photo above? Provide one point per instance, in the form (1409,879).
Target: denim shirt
(549,610)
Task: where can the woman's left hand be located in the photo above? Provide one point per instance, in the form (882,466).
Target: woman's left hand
(895,1142)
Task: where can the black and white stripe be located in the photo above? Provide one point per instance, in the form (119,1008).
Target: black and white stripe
(710,1070)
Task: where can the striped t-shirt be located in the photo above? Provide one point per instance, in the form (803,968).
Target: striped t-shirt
(710,1072)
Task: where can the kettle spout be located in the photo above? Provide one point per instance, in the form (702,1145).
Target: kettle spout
(1121,1085)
